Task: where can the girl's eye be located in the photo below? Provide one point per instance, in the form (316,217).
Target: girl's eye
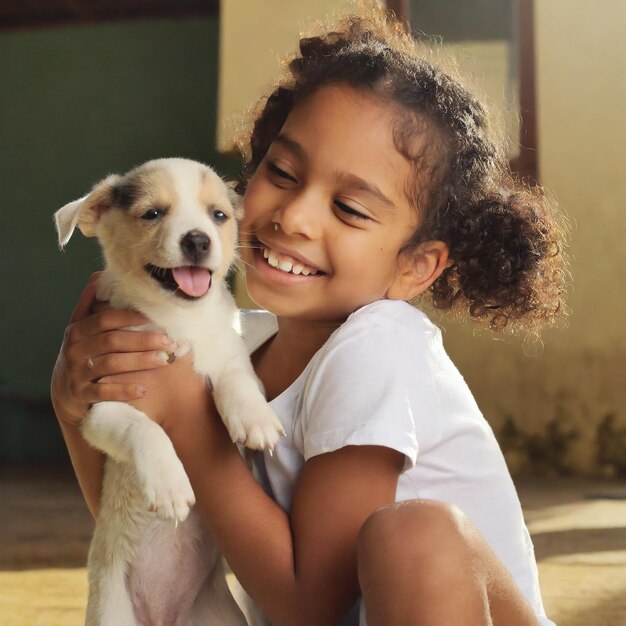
(350,212)
(153,214)
(276,170)
(219,216)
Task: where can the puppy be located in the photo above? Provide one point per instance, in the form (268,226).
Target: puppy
(168,231)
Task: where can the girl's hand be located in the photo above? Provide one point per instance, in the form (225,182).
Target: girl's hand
(95,347)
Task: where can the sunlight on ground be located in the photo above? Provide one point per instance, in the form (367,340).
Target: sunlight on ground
(585,594)
(578,591)
(49,597)
(43,597)
(587,514)
(582,560)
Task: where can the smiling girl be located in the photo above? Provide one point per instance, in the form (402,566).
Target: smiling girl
(372,179)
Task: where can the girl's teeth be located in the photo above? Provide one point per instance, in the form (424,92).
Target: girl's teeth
(287,265)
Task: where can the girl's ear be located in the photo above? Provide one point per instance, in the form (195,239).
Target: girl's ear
(418,270)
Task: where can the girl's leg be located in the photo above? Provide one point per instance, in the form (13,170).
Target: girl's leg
(423,563)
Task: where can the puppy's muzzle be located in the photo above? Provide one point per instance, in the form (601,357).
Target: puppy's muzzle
(195,246)
(191,280)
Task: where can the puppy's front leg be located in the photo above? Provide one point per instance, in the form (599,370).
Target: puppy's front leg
(129,436)
(238,393)
(245,411)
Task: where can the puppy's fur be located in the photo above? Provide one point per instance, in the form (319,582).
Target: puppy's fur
(168,232)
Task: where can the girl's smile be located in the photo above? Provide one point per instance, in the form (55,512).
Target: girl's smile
(334,183)
(283,268)
(287,263)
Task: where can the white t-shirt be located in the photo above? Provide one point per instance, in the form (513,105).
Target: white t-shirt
(383,378)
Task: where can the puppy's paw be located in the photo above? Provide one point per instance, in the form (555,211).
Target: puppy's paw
(254,425)
(165,485)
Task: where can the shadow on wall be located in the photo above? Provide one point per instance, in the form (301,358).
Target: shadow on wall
(543,454)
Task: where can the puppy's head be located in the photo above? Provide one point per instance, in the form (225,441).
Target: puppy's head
(170,223)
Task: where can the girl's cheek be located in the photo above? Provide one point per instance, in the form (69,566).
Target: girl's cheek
(252,199)
(260,202)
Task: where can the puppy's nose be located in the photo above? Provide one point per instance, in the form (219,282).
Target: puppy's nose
(195,245)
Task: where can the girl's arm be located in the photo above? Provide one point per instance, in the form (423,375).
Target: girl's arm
(301,569)
(74,385)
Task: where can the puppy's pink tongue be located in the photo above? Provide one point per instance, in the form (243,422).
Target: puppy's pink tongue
(194,281)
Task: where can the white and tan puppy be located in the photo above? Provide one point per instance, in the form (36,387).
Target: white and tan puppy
(168,231)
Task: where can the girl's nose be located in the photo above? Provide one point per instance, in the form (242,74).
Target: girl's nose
(301,216)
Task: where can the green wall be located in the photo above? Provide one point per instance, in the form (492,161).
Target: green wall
(77,103)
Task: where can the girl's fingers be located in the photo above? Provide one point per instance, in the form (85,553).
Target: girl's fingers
(109,319)
(114,392)
(81,347)
(119,363)
(121,341)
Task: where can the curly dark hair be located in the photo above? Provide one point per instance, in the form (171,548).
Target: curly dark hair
(506,239)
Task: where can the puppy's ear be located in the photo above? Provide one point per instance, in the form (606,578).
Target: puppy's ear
(86,211)
(235,199)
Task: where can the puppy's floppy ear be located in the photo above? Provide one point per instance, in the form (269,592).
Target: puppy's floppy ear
(85,211)
(235,199)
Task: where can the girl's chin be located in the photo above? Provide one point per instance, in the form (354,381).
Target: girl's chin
(283,304)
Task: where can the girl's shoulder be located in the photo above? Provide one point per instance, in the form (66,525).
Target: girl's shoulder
(387,320)
(372,381)
(377,327)
(392,312)
(381,339)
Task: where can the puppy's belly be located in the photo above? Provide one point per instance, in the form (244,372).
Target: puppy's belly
(171,565)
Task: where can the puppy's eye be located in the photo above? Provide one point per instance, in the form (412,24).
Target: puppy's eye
(219,216)
(153,214)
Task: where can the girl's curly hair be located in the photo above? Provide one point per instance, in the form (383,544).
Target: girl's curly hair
(506,239)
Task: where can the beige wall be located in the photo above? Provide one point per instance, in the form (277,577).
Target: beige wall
(582,121)
(486,68)
(254,36)
(561,402)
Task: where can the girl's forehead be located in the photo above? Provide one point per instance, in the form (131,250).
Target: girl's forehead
(338,127)
(339,120)
(342,104)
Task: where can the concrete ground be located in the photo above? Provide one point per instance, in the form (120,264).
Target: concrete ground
(578,527)
(579,532)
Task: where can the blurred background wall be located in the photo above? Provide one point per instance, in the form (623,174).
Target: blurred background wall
(83,99)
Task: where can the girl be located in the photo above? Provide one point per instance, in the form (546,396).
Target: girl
(371,180)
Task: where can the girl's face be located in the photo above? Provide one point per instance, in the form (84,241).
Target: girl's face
(335,184)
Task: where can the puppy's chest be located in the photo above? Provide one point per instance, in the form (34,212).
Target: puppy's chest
(183,344)
(206,331)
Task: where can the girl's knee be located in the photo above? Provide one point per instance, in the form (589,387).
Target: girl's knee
(416,531)
(429,551)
